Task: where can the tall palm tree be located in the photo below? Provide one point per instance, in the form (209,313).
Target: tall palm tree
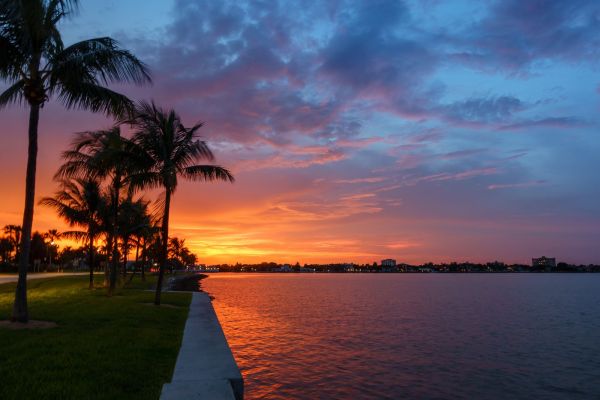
(37,65)
(80,202)
(174,150)
(103,155)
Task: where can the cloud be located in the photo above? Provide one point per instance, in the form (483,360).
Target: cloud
(373,179)
(521,185)
(516,34)
(455,176)
(402,245)
(461,154)
(483,110)
(549,122)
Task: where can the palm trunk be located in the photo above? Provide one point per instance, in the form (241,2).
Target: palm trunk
(125,254)
(135,263)
(137,254)
(163,251)
(18,237)
(20,312)
(107,251)
(115,248)
(91,259)
(144,258)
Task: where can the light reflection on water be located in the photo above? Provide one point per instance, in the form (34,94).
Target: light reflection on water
(412,336)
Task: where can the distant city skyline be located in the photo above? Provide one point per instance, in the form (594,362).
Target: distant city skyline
(418,130)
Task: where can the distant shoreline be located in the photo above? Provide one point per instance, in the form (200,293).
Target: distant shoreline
(403,272)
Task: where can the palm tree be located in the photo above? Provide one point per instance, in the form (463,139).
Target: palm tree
(6,247)
(80,202)
(174,149)
(37,65)
(133,217)
(14,235)
(179,253)
(147,235)
(103,155)
(51,237)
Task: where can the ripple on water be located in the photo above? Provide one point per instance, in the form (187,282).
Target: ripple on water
(434,336)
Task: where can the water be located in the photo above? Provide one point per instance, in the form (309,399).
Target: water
(413,336)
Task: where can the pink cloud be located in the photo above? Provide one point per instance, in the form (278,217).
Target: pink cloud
(402,245)
(360,180)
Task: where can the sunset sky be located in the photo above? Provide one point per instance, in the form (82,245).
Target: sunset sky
(360,130)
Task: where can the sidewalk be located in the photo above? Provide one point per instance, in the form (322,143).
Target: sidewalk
(205,367)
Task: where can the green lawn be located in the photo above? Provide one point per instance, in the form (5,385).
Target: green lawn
(103,348)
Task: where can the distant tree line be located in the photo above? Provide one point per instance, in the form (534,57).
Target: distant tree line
(453,267)
(47,256)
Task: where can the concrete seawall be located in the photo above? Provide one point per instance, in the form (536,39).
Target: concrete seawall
(205,367)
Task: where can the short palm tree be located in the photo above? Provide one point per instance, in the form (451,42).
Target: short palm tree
(147,235)
(14,235)
(36,65)
(174,150)
(52,235)
(133,217)
(6,247)
(80,202)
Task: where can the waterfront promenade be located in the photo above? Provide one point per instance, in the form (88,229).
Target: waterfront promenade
(205,367)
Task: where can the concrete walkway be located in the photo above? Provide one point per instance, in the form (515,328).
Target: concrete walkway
(205,368)
(6,278)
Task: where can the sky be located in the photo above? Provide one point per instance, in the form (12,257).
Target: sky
(360,130)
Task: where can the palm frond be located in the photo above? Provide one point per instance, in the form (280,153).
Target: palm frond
(14,94)
(89,96)
(79,236)
(207,173)
(144,180)
(97,60)
(11,59)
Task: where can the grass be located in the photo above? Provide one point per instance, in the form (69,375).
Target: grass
(103,348)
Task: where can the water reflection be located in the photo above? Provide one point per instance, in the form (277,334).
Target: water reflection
(412,336)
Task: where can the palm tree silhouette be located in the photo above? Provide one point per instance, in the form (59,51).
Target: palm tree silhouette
(51,236)
(14,235)
(80,202)
(174,149)
(147,235)
(6,247)
(37,66)
(133,217)
(101,155)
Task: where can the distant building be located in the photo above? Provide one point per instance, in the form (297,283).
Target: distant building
(283,268)
(388,262)
(349,268)
(543,262)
